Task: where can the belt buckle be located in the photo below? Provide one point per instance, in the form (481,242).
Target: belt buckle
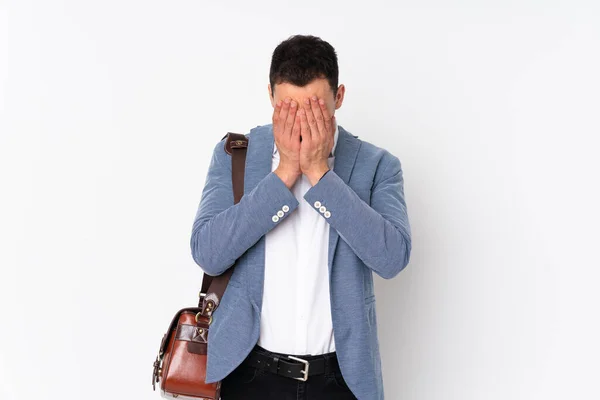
(304,371)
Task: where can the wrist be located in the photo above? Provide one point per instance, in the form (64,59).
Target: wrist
(288,177)
(317,173)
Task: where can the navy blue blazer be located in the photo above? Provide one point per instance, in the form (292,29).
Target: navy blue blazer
(365,197)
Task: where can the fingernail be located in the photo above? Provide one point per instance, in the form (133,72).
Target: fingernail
(321,101)
(314,97)
(293,104)
(287,99)
(307,101)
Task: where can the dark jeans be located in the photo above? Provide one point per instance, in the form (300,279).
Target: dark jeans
(249,383)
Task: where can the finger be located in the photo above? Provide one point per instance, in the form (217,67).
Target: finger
(312,123)
(326,117)
(285,108)
(291,117)
(276,112)
(314,104)
(296,128)
(304,128)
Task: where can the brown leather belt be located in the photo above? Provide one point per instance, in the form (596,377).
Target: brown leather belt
(296,367)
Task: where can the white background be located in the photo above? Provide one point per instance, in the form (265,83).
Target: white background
(109,113)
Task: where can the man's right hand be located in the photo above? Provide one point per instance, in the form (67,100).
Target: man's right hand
(286,131)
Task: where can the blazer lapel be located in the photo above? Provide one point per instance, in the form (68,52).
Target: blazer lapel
(346,151)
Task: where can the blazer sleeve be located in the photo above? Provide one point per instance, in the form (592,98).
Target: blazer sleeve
(378,233)
(223,231)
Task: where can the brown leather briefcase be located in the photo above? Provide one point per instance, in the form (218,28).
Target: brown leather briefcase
(180,367)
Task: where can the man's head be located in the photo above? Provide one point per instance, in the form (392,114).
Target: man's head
(303,66)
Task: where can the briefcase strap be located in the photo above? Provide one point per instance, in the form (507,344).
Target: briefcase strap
(213,287)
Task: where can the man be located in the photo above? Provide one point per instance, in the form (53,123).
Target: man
(322,210)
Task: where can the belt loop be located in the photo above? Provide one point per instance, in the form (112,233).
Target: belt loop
(275,365)
(329,364)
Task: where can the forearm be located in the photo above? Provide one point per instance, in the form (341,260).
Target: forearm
(379,237)
(220,237)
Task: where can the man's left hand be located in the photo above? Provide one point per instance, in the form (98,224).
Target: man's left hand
(317,128)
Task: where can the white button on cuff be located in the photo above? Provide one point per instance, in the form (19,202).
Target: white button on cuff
(275,218)
(322,209)
(317,204)
(285,208)
(280,213)
(327,214)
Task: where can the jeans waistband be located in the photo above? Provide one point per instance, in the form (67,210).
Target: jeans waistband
(307,357)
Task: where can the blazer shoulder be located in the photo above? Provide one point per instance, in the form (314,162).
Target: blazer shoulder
(219,149)
(381,160)
(220,157)
(253,132)
(225,136)
(259,130)
(367,149)
(378,154)
(220,145)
